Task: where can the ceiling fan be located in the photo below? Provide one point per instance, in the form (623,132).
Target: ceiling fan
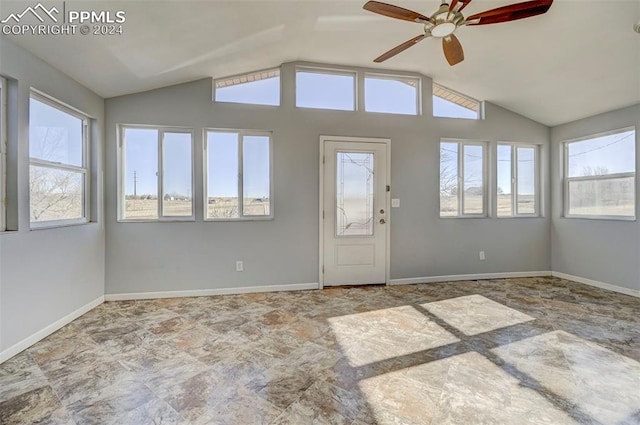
(448,18)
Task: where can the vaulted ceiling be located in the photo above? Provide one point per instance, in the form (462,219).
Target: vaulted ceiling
(579,59)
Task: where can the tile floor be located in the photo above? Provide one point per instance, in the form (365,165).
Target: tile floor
(514,351)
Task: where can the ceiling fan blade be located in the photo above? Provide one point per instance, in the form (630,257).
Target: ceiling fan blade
(394,11)
(401,48)
(510,13)
(465,3)
(452,49)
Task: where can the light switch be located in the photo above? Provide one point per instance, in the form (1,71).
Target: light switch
(395,203)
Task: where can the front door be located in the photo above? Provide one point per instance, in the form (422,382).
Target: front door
(354,223)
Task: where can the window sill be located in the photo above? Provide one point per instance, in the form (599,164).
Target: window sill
(45,225)
(599,217)
(156,220)
(239,219)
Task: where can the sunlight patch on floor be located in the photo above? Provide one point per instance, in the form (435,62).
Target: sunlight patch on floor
(466,388)
(383,334)
(603,384)
(475,314)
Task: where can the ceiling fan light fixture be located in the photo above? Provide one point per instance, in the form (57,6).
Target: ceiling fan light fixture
(443,29)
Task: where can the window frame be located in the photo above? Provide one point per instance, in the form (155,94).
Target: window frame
(514,180)
(566,180)
(240,181)
(394,77)
(160,173)
(460,178)
(249,74)
(3,154)
(85,169)
(480,112)
(327,71)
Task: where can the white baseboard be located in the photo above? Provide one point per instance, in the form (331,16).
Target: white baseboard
(458,277)
(597,284)
(209,292)
(48,330)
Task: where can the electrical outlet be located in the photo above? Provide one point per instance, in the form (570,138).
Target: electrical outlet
(239,266)
(482,255)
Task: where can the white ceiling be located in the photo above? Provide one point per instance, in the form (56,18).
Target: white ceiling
(580,59)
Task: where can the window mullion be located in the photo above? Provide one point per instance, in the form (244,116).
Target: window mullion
(241,174)
(461,179)
(514,180)
(159,174)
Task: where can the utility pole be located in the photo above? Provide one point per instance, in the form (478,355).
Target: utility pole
(135,188)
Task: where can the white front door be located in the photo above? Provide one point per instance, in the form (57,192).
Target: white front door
(355,211)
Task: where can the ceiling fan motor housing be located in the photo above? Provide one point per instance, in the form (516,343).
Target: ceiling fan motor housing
(444,22)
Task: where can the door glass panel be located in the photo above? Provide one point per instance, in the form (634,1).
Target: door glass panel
(354,193)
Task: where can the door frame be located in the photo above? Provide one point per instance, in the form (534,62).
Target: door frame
(387,202)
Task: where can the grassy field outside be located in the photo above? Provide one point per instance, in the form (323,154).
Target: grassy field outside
(473,205)
(147,209)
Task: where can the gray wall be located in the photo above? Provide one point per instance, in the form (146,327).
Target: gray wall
(601,250)
(144,257)
(44,274)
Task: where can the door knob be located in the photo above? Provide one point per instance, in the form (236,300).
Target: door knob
(382,221)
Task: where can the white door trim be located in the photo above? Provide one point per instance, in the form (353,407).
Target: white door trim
(387,142)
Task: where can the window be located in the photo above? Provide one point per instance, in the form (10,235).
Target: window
(3,154)
(156,174)
(450,104)
(462,179)
(392,95)
(600,174)
(258,88)
(325,89)
(58,171)
(237,175)
(517,177)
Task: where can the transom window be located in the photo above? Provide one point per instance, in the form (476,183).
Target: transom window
(238,175)
(258,88)
(325,89)
(58,166)
(156,173)
(517,178)
(462,179)
(599,176)
(450,104)
(392,95)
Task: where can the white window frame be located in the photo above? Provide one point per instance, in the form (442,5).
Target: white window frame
(514,180)
(240,134)
(84,169)
(567,180)
(329,71)
(3,154)
(160,173)
(457,98)
(396,77)
(248,77)
(460,192)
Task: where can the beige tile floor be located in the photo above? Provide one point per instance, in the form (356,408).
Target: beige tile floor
(514,351)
